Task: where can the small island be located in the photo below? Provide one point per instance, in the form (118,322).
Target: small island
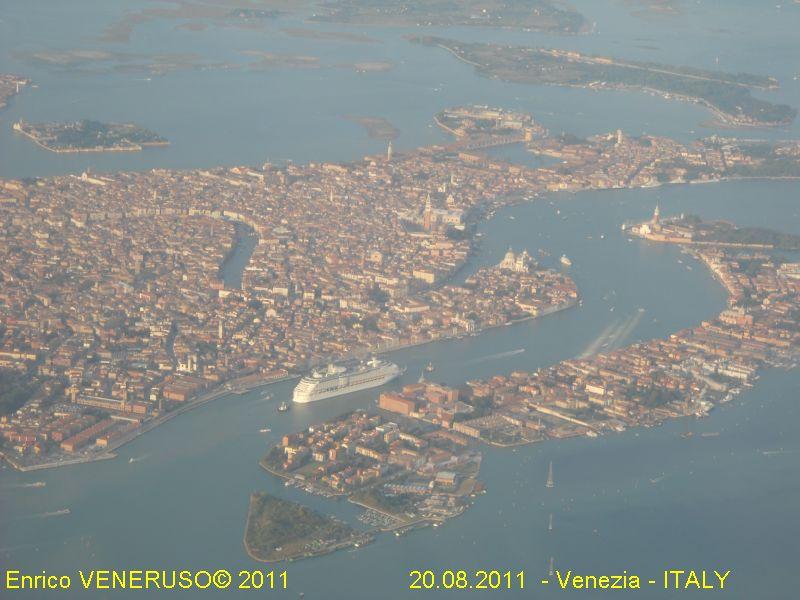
(727,95)
(271,60)
(281,530)
(692,230)
(89,136)
(484,122)
(377,128)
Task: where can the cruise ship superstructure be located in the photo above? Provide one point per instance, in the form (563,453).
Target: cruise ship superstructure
(336,380)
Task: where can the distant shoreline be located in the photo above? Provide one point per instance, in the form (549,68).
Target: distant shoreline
(493,70)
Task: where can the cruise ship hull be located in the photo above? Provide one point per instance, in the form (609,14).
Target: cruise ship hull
(346,387)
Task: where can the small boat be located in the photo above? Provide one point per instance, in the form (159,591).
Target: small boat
(565,261)
(265,430)
(283,407)
(429,368)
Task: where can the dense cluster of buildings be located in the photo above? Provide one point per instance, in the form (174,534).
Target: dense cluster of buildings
(113,302)
(643,384)
(616,160)
(405,470)
(478,122)
(396,465)
(112,284)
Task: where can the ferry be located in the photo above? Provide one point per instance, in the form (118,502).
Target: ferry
(341,379)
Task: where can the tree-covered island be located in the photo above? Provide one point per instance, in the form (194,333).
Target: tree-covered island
(281,530)
(89,136)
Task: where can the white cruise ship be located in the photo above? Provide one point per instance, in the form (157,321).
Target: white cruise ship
(344,379)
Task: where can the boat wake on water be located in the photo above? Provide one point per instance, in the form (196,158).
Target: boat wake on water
(497,356)
(137,458)
(45,515)
(613,336)
(20,486)
(595,344)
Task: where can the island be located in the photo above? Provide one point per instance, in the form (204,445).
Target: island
(491,124)
(271,60)
(376,127)
(727,95)
(692,230)
(10,85)
(89,136)
(405,472)
(279,530)
(414,461)
(253,13)
(133,323)
(529,15)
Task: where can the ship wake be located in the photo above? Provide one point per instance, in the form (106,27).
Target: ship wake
(613,336)
(496,356)
(45,515)
(21,486)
